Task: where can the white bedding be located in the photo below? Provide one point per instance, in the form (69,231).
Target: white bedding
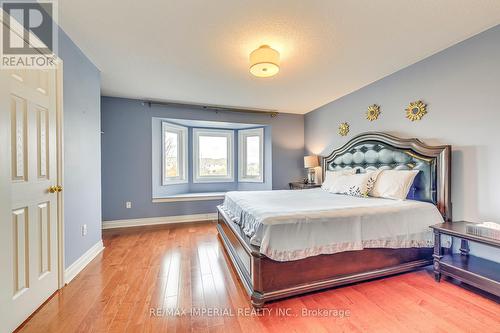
(291,225)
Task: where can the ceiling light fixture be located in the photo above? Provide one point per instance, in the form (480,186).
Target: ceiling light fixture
(264,61)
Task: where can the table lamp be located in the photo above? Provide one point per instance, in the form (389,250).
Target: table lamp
(311,162)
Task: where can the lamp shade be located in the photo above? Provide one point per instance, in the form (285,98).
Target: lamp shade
(311,161)
(264,61)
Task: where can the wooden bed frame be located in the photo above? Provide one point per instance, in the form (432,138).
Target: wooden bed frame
(265,279)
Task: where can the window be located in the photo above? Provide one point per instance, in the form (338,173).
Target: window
(213,155)
(251,155)
(174,152)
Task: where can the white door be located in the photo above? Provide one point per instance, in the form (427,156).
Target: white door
(28,193)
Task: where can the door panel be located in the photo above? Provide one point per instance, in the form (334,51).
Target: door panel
(42,142)
(19,141)
(44,231)
(21,251)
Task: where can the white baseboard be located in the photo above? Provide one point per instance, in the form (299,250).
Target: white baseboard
(72,271)
(158,220)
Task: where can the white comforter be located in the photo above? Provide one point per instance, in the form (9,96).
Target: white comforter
(292,225)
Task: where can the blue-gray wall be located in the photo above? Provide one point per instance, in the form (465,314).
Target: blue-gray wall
(461,86)
(126,155)
(82,157)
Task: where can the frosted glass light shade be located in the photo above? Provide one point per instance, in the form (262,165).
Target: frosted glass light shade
(264,61)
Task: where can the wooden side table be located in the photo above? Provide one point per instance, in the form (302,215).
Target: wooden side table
(478,272)
(302,186)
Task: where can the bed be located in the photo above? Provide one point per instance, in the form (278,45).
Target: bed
(284,243)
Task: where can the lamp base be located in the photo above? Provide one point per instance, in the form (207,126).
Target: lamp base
(311,175)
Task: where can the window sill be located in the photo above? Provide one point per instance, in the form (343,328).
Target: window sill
(213,180)
(250,180)
(174,182)
(204,196)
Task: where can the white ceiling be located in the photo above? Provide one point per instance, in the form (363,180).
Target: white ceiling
(197,50)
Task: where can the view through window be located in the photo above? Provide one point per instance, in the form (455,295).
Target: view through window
(171,154)
(213,156)
(253,156)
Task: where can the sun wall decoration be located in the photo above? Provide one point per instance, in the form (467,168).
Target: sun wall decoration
(343,129)
(416,110)
(373,112)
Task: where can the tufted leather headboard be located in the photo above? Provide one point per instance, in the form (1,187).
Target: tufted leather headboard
(380,151)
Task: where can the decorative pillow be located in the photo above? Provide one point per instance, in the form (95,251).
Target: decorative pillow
(331,176)
(394,184)
(357,185)
(412,192)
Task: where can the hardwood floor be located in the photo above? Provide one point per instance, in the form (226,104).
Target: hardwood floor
(143,272)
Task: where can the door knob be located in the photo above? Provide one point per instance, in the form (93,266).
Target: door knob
(52,189)
(59,188)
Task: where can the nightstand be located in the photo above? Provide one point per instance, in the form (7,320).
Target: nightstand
(478,272)
(302,186)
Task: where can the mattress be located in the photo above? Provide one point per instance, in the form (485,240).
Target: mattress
(290,225)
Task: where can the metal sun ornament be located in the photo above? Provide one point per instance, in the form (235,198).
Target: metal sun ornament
(416,110)
(373,112)
(343,129)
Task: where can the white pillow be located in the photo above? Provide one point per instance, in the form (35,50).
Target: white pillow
(394,184)
(331,176)
(357,185)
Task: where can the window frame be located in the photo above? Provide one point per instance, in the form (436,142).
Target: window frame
(229,134)
(242,155)
(182,153)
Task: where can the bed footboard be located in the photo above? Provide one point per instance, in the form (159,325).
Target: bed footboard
(265,279)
